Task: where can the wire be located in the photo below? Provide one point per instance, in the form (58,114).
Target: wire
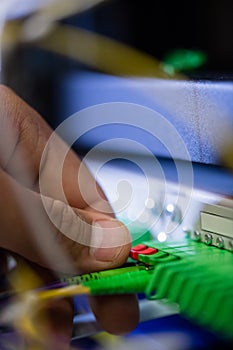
(63,292)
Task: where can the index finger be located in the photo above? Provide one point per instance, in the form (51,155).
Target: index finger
(23,137)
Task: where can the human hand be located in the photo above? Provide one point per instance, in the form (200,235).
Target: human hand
(26,228)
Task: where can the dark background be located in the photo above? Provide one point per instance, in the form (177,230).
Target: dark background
(155,27)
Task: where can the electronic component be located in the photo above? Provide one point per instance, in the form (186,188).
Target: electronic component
(193,272)
(195,276)
(214,226)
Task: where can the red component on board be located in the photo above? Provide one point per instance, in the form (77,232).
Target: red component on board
(141,249)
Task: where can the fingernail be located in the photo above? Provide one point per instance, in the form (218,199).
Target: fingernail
(108,237)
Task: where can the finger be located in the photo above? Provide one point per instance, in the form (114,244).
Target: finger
(23,138)
(42,237)
(51,322)
(54,324)
(53,319)
(116,314)
(63,239)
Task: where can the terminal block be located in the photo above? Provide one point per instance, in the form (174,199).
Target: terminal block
(194,275)
(214,226)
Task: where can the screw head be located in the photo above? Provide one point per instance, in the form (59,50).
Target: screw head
(197,236)
(208,238)
(220,242)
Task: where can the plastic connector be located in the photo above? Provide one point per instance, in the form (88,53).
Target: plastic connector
(195,276)
(133,282)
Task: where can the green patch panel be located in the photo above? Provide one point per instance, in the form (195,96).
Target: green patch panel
(195,276)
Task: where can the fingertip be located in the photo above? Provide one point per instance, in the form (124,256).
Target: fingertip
(111,241)
(116,314)
(107,249)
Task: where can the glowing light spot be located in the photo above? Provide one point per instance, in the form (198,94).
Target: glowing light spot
(170,208)
(150,203)
(162,237)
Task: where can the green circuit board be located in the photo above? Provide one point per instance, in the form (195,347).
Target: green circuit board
(196,276)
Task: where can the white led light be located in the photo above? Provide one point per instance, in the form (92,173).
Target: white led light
(162,237)
(170,208)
